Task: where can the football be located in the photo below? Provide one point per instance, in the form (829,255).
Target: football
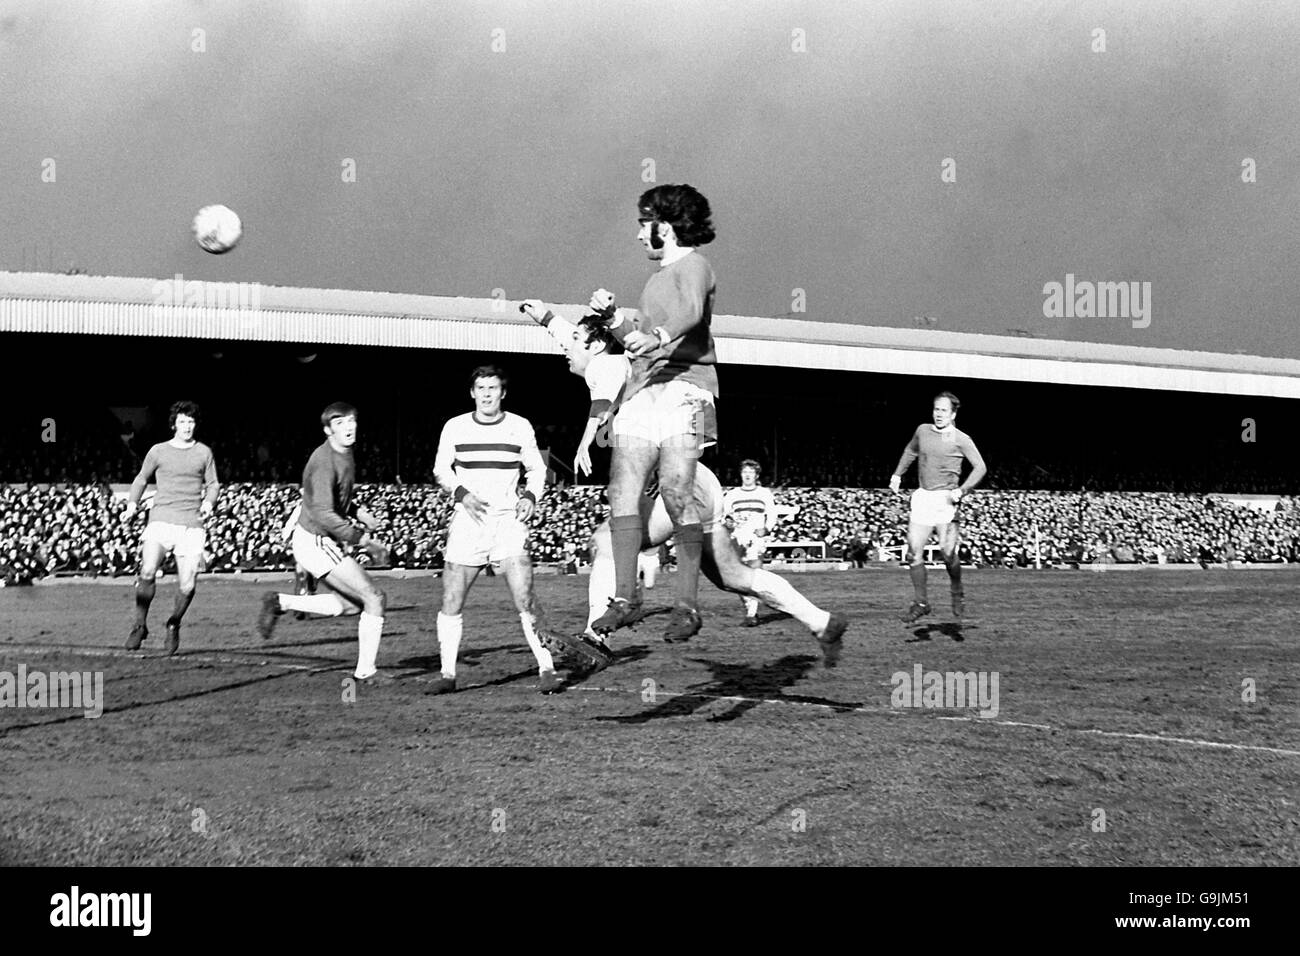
(217,229)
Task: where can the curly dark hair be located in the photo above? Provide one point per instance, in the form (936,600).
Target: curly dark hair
(684,208)
(596,331)
(182,408)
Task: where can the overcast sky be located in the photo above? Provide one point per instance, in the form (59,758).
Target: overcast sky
(519,169)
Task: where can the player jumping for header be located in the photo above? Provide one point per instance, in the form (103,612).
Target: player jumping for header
(187,491)
(667,416)
(939,450)
(594,354)
(318,538)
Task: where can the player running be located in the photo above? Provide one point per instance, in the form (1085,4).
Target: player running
(939,450)
(319,537)
(596,355)
(667,416)
(751,511)
(186,474)
(480,455)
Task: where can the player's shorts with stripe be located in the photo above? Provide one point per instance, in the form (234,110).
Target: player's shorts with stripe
(186,542)
(754,546)
(490,540)
(319,554)
(668,414)
(708,496)
(932,507)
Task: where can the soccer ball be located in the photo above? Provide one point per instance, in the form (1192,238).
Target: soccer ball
(217,229)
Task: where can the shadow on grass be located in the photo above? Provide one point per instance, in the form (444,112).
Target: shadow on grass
(753,684)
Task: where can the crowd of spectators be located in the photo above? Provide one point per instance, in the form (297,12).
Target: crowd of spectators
(81,529)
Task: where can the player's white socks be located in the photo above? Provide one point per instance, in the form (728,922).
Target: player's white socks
(326,605)
(600,588)
(751,606)
(544,662)
(369,629)
(449,628)
(780,594)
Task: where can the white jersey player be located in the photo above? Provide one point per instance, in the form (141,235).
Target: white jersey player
(480,456)
(751,510)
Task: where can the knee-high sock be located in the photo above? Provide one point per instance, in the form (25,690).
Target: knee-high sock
(918,581)
(625,534)
(778,593)
(369,629)
(690,549)
(325,605)
(144,591)
(751,606)
(183,599)
(449,630)
(954,574)
(600,587)
(543,656)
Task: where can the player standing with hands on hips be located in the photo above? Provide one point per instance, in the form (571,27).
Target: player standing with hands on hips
(667,416)
(187,491)
(939,450)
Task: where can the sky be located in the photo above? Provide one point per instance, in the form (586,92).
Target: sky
(502,145)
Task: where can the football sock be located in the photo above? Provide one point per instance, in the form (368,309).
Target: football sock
(325,605)
(543,656)
(918,582)
(778,593)
(144,591)
(625,533)
(369,629)
(183,599)
(954,574)
(449,629)
(690,548)
(751,606)
(600,588)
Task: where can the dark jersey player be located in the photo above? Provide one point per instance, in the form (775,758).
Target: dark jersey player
(186,476)
(939,449)
(319,539)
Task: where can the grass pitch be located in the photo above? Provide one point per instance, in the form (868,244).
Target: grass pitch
(1119,694)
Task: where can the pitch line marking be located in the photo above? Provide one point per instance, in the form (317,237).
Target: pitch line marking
(890,711)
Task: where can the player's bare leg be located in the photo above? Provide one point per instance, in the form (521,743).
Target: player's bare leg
(152,556)
(187,574)
(631,466)
(677,460)
(352,583)
(751,603)
(723,566)
(949,540)
(457,579)
(918,536)
(518,572)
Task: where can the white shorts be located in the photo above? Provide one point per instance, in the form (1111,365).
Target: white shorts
(669,413)
(185,542)
(494,539)
(754,546)
(932,508)
(319,554)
